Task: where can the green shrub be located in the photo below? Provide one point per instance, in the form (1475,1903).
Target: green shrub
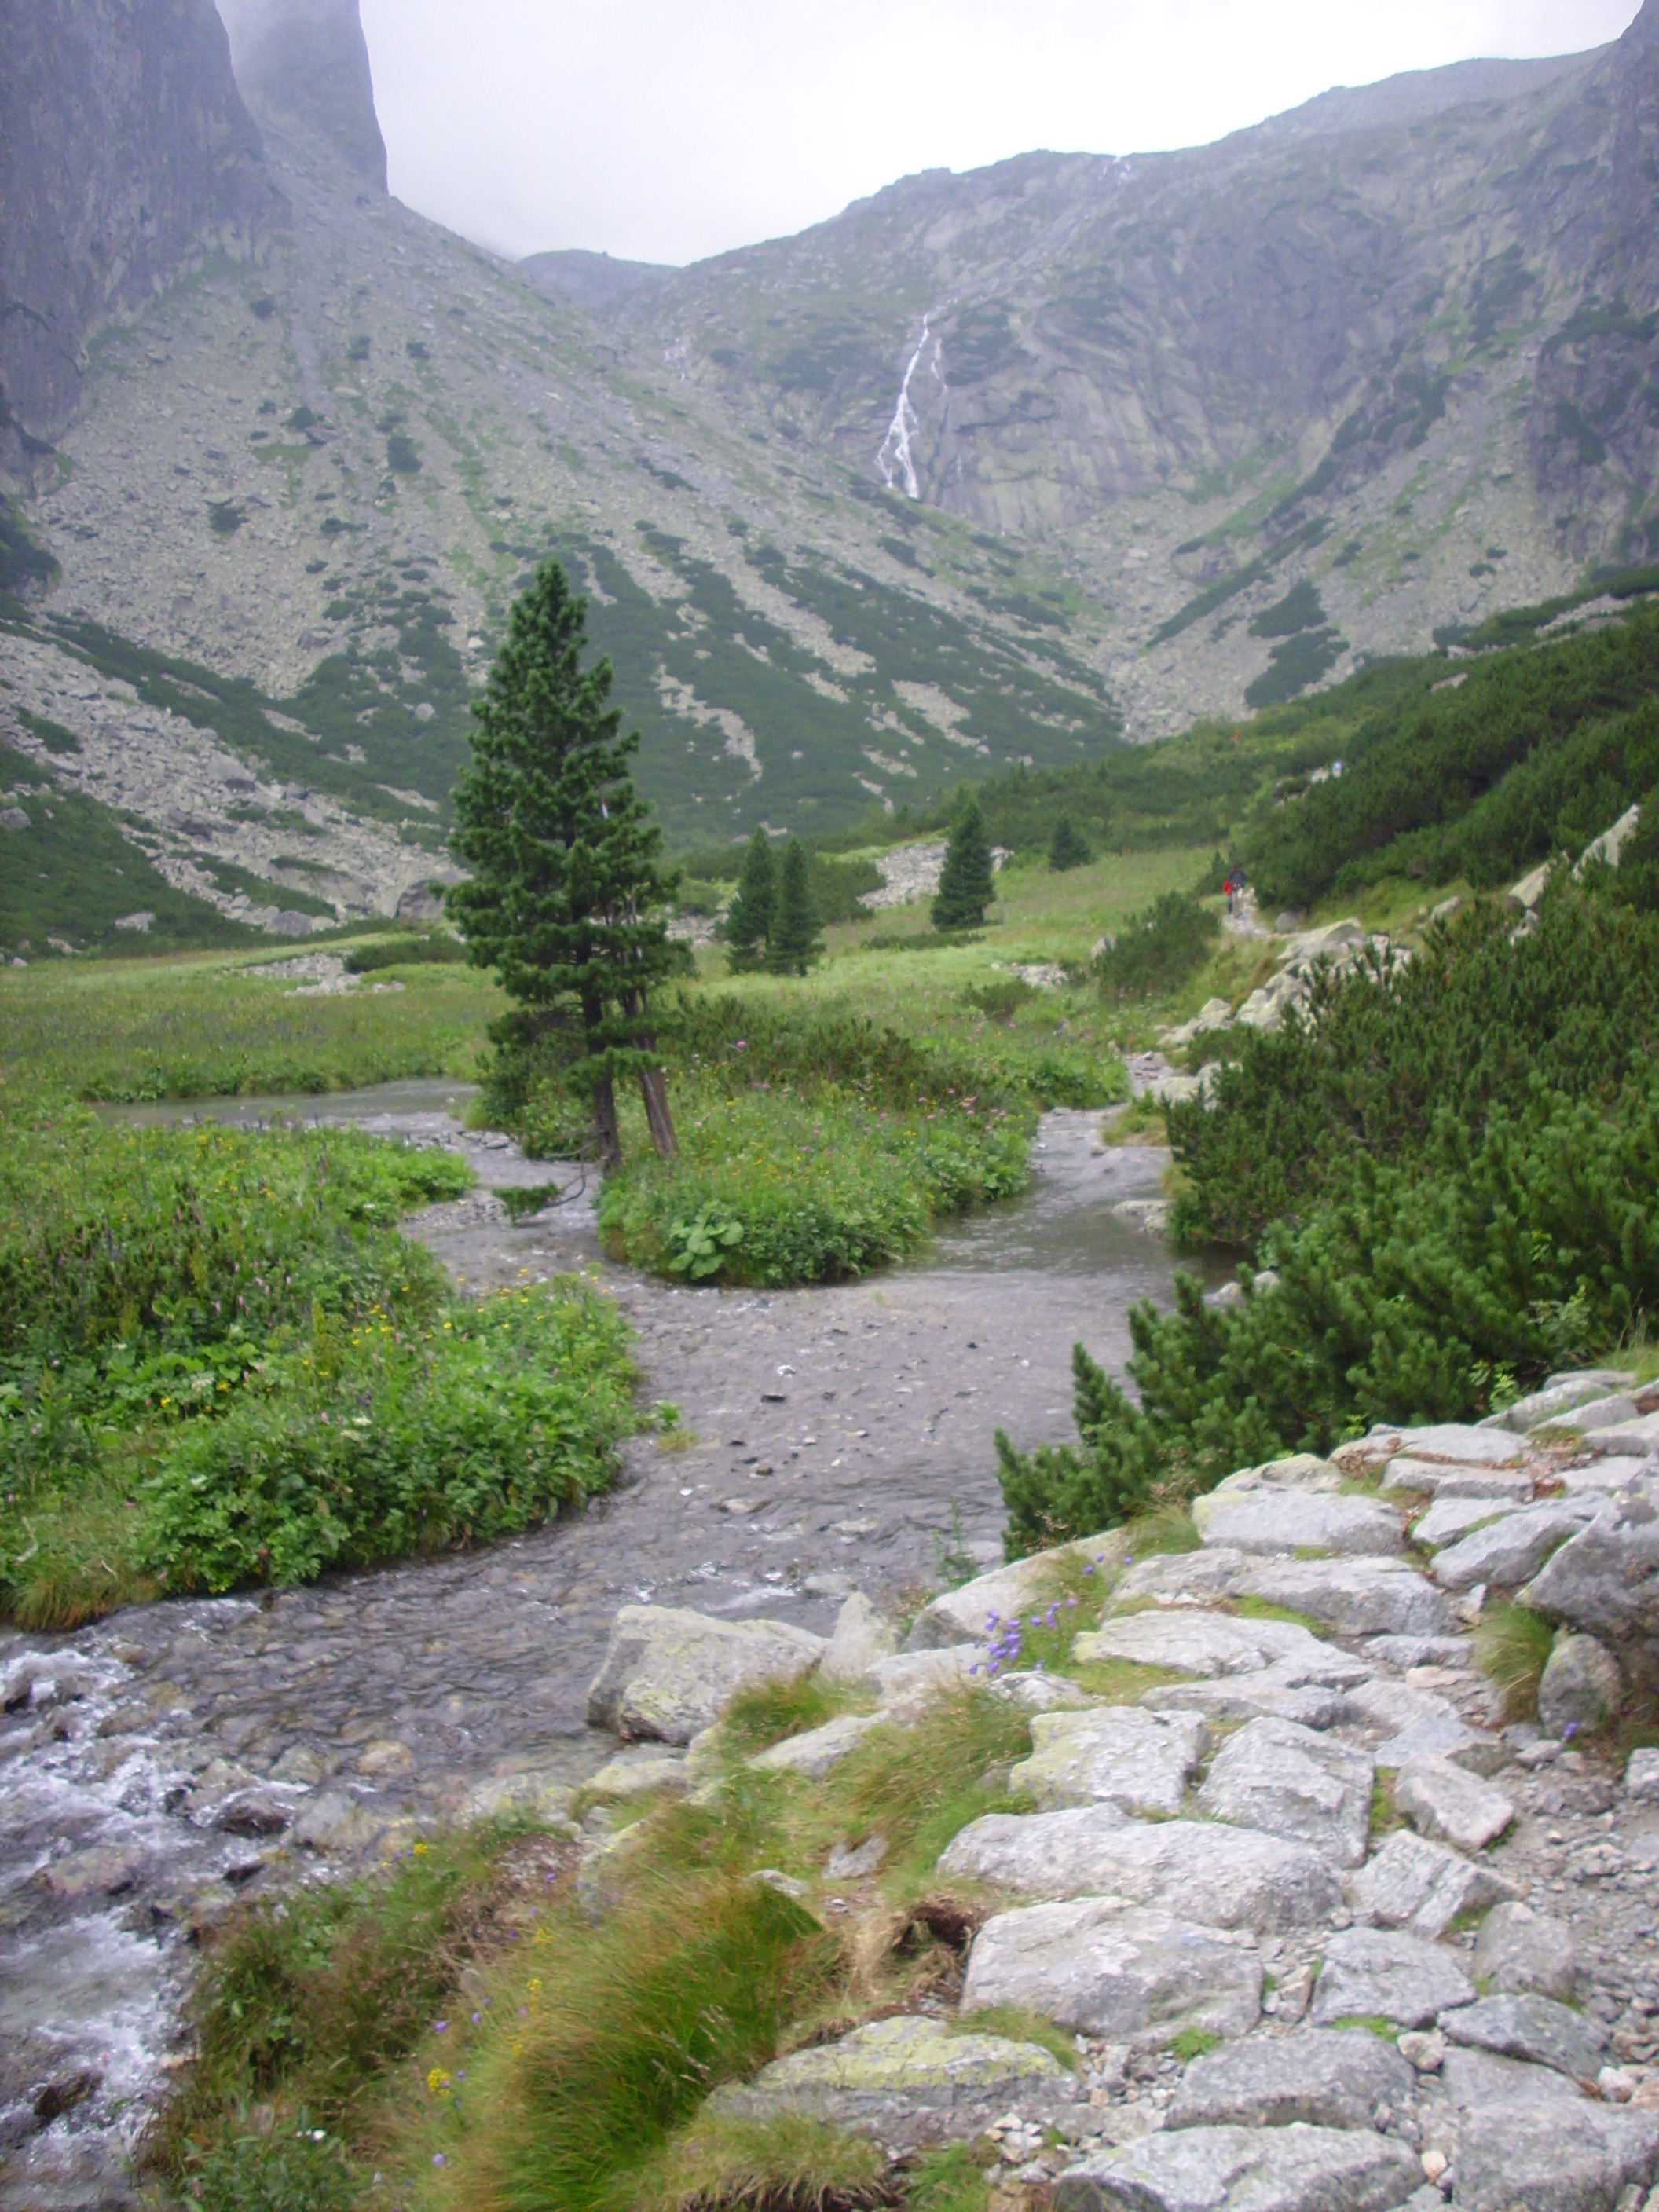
(430,949)
(383,1440)
(1157,950)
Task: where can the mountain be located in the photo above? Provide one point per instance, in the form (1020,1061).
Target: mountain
(991,467)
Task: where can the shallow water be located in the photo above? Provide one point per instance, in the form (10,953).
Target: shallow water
(843,1439)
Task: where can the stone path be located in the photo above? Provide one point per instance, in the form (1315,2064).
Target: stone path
(154,1766)
(1423,1945)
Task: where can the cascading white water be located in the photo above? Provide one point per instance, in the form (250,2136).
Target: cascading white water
(895,446)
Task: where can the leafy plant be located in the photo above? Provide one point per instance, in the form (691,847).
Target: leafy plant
(1157,950)
(699,1247)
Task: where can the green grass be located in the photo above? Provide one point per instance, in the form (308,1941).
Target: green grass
(1192,2043)
(1512,1646)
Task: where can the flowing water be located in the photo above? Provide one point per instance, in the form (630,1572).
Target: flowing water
(841,1438)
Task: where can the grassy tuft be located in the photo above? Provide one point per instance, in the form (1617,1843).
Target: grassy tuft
(786,2165)
(768,1712)
(1020,2026)
(1192,2043)
(1512,1649)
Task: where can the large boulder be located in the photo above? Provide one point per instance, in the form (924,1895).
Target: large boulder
(1222,1877)
(1292,1781)
(1606,1579)
(1520,1951)
(815,1752)
(1023,1586)
(1581,1688)
(1529,2157)
(1371,1973)
(1322,2077)
(906,2081)
(1269,1520)
(1211,1644)
(1112,1755)
(1509,1550)
(668,1672)
(1534,2028)
(1233,2169)
(1450,1805)
(1121,1971)
(862,1639)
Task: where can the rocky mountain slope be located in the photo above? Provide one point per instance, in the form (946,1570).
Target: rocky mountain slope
(992,467)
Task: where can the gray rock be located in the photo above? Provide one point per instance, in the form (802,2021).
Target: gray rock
(1301,1471)
(1222,1877)
(1640,1437)
(1422,1887)
(850,1862)
(1407,1477)
(13,818)
(633,1773)
(1559,1398)
(1112,1755)
(818,1750)
(1449,1518)
(1096,1965)
(1642,1777)
(1613,1411)
(1511,1551)
(960,1616)
(1375,1974)
(1269,1521)
(254,1812)
(334,1823)
(1346,1597)
(1519,1950)
(1229,2169)
(1292,1781)
(907,1684)
(668,1671)
(1408,1722)
(1452,1806)
(1581,1688)
(1406,1651)
(1474,2079)
(1251,1696)
(1209,1644)
(1325,2077)
(862,1639)
(905,2081)
(1461,1443)
(1554,2158)
(1039,1691)
(1534,2029)
(1606,1580)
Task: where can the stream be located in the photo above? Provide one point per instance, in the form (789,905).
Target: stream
(175,1755)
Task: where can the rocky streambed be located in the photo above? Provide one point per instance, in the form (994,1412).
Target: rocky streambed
(177,1755)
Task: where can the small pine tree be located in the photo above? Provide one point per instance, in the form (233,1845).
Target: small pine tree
(794,943)
(565,899)
(1066,848)
(964,884)
(748,917)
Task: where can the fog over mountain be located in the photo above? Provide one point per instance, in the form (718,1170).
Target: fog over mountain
(992,466)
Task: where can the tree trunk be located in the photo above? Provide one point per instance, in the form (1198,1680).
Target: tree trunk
(604,1124)
(653,1089)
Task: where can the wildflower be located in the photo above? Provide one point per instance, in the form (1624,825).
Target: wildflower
(418,1851)
(437,2082)
(438,2159)
(439,2025)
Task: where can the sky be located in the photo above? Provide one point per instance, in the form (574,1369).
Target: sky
(670,130)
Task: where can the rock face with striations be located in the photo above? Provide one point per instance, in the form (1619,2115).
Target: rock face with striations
(306,63)
(126,154)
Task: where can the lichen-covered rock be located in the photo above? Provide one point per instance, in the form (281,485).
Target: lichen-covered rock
(1112,1755)
(1120,1971)
(1206,1643)
(1220,1876)
(667,1671)
(815,1752)
(1606,1579)
(1345,1597)
(1369,1973)
(1293,1782)
(1324,2077)
(1581,1687)
(961,1616)
(1511,1550)
(862,1639)
(905,2081)
(1228,2169)
(1269,1520)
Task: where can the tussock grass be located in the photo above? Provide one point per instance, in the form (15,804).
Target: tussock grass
(1512,1649)
(788,2165)
(770,1712)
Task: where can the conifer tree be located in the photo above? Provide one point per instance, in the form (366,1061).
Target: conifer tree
(565,897)
(1066,847)
(794,943)
(748,917)
(964,884)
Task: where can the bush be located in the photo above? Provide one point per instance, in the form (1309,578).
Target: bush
(434,948)
(381,1441)
(1158,949)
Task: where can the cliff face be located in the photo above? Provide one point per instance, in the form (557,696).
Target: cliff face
(303,66)
(126,154)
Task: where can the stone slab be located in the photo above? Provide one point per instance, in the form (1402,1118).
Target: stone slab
(1606,1578)
(1406,1476)
(1229,2169)
(1202,1643)
(1473,2079)
(861,1639)
(668,1671)
(1023,1586)
(1451,1805)
(1522,2157)
(1512,1550)
(1272,1521)
(1324,2077)
(1422,1887)
(905,2081)
(1378,1973)
(816,1750)
(1344,1597)
(1519,1950)
(1101,1967)
(1532,2029)
(1449,1518)
(1462,1444)
(1291,1781)
(1251,1696)
(1220,1876)
(1112,1755)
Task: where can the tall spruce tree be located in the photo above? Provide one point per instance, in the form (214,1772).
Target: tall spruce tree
(565,896)
(964,883)
(748,917)
(794,943)
(1066,848)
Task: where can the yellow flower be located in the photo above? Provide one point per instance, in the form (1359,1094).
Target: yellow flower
(437,2083)
(419,1851)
